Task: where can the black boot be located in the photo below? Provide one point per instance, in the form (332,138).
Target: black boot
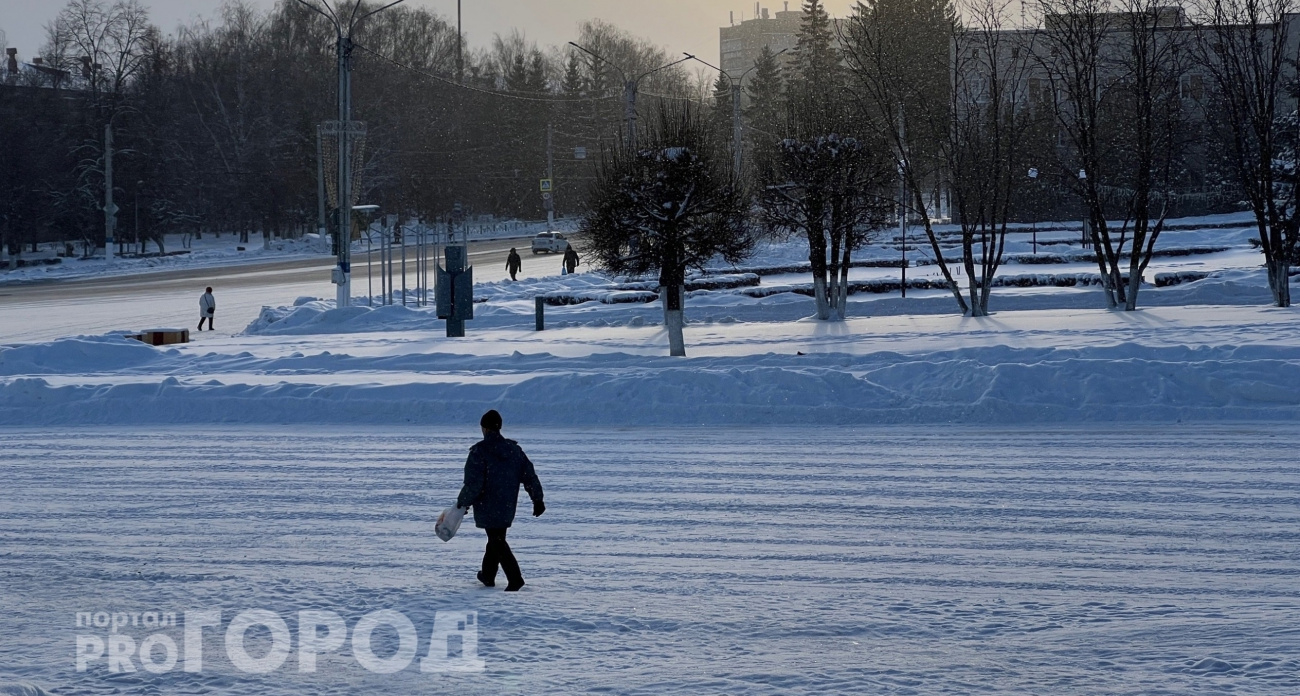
(488,581)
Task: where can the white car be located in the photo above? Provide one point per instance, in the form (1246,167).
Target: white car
(551,243)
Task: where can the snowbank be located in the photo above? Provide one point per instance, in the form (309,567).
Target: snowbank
(988,385)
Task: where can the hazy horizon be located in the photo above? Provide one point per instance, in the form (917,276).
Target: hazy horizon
(678,25)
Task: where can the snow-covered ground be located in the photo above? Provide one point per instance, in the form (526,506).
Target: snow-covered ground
(1056,499)
(1210,350)
(1047,560)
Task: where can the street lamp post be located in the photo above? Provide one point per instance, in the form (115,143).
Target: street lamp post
(737,116)
(1083,177)
(902,221)
(344,28)
(630,88)
(1033,222)
(110,208)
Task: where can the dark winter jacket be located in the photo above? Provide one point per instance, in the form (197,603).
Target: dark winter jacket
(571,259)
(495,468)
(514,264)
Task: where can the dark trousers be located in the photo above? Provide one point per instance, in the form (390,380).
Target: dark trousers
(498,554)
(207,319)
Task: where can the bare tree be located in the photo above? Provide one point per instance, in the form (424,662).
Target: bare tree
(984,146)
(111,37)
(1117,75)
(1244,46)
(828,189)
(898,57)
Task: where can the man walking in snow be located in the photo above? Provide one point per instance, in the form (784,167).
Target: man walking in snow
(571,259)
(493,472)
(514,264)
(207,309)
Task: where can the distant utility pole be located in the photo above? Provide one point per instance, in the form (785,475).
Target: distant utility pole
(737,114)
(550,176)
(321,224)
(460,45)
(110,209)
(344,28)
(630,88)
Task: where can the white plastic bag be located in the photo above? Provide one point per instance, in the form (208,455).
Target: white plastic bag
(449,522)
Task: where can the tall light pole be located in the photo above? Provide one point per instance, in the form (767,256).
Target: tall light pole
(1033,179)
(737,116)
(110,208)
(344,27)
(630,88)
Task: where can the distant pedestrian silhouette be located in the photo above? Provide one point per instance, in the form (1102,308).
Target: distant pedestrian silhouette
(514,264)
(207,309)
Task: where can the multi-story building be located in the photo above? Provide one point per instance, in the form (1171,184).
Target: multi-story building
(741,43)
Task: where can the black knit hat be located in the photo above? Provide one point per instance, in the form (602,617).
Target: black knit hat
(491,420)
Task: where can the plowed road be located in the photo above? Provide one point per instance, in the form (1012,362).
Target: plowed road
(50,310)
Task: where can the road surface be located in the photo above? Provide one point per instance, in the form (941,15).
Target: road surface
(51,310)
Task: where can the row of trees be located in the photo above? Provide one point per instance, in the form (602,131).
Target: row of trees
(909,93)
(1124,103)
(1122,106)
(215,125)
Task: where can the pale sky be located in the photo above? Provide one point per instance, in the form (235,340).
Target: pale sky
(678,25)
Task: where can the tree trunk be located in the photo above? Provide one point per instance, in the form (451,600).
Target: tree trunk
(842,302)
(1103,266)
(675,321)
(1279,281)
(1134,282)
(823,302)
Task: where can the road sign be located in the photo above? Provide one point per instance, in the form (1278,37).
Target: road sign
(546,185)
(580,153)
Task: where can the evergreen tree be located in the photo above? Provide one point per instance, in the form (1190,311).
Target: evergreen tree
(668,205)
(816,76)
(766,91)
(574,85)
(720,116)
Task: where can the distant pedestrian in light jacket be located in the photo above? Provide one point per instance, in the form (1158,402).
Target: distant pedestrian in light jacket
(514,264)
(207,309)
(571,259)
(493,472)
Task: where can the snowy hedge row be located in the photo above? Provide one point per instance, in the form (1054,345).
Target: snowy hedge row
(804,267)
(646,291)
(1032,280)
